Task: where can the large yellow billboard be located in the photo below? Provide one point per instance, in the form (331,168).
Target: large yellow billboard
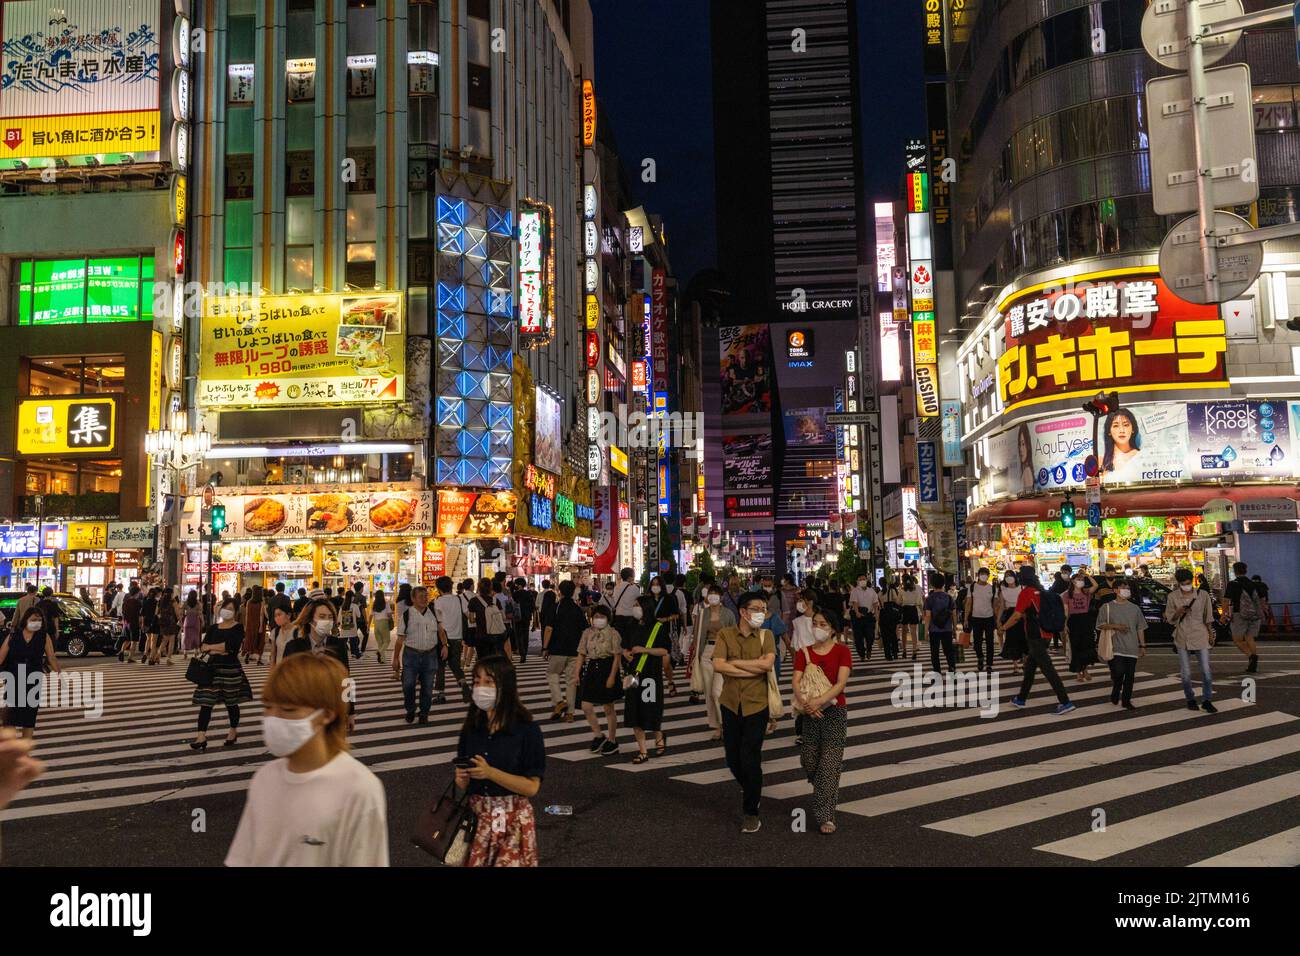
(79,77)
(273,351)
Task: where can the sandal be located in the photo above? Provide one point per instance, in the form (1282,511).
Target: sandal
(662,748)
(641,758)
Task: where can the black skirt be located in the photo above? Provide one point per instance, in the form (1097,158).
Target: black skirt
(643,702)
(1083,642)
(591,684)
(910,615)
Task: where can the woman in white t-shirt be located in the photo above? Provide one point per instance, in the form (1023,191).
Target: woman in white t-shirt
(1014,647)
(316,805)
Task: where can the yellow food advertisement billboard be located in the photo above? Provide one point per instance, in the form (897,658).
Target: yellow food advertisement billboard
(283,350)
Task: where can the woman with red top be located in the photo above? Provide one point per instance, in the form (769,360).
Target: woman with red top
(825,716)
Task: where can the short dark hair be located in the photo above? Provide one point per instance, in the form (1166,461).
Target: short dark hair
(627,574)
(279,586)
(1239,568)
(443,584)
(1183,575)
(567,588)
(749,596)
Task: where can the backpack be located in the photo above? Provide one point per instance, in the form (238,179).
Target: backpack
(1051,611)
(1248,606)
(507,606)
(1032,624)
(494,621)
(941,617)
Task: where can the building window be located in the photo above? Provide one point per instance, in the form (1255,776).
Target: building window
(73,291)
(77,375)
(73,477)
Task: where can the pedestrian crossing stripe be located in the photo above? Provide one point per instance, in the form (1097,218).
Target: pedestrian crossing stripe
(137,753)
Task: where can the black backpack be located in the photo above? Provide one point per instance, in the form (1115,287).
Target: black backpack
(941,617)
(1051,612)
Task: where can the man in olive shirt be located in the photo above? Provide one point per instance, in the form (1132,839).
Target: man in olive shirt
(742,656)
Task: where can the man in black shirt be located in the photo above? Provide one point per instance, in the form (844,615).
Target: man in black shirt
(546,613)
(299,603)
(560,640)
(278,599)
(526,601)
(1245,614)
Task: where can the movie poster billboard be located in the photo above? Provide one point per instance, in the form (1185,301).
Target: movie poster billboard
(1239,438)
(807,426)
(747,461)
(746,352)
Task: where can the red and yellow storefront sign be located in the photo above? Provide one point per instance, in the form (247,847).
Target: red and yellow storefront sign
(1121,331)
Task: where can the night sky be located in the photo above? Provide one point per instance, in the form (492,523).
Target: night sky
(655,87)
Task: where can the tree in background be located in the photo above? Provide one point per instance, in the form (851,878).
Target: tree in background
(703,564)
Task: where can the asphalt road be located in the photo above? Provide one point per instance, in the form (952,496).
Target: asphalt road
(921,787)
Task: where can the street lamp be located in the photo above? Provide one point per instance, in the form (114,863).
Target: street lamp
(177,448)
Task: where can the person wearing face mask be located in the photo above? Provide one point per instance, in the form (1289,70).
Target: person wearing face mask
(1080,625)
(980,619)
(1191,611)
(681,603)
(599,651)
(500,763)
(911,600)
(711,619)
(229,685)
(316,632)
(416,653)
(744,656)
(27,650)
(1012,635)
(315,804)
(663,609)
(864,606)
(645,659)
(1024,619)
(282,632)
(1127,629)
(891,614)
(824,716)
(802,631)
(940,612)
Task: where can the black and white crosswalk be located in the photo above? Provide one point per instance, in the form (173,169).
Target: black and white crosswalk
(1097,785)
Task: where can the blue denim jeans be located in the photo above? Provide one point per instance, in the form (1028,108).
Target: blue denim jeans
(1185,668)
(418,667)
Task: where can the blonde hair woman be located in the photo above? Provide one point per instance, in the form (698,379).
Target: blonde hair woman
(316,805)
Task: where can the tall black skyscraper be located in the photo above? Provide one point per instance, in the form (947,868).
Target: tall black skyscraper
(790,240)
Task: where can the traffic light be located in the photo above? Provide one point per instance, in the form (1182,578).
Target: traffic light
(218,519)
(1067,514)
(1103,404)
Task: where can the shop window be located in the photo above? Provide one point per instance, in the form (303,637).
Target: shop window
(77,375)
(73,291)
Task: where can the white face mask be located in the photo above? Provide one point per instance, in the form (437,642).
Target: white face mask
(636,613)
(821,634)
(324,625)
(1124,593)
(227,613)
(802,607)
(715,598)
(656,589)
(285,737)
(756,618)
(485,698)
(33,625)
(1186,588)
(1009,582)
(599,623)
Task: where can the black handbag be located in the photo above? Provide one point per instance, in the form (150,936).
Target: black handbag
(446,829)
(200,671)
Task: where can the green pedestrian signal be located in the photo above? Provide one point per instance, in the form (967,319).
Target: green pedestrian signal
(218,519)
(1067,514)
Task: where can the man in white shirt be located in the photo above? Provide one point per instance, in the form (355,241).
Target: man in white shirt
(864,607)
(416,653)
(451,635)
(980,619)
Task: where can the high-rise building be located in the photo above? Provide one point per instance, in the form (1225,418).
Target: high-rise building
(790,243)
(1059,296)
